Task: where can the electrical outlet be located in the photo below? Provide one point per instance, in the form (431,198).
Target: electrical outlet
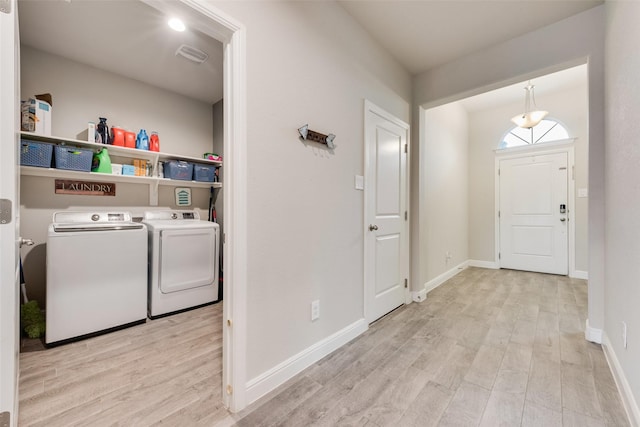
(315,310)
(624,334)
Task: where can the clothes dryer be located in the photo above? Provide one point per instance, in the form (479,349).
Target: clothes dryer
(183,261)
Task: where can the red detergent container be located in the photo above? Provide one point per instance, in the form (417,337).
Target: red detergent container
(154,142)
(130,139)
(117,135)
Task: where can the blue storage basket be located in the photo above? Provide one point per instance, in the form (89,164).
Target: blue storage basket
(35,154)
(177,169)
(73,158)
(204,173)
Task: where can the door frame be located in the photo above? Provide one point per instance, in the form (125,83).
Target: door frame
(567,147)
(232,34)
(9,232)
(371,108)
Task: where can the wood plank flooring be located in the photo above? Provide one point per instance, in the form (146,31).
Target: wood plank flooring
(487,348)
(166,371)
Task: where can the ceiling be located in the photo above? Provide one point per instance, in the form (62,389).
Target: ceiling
(555,82)
(124,37)
(132,39)
(423,34)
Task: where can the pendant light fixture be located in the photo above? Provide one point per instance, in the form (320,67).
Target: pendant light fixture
(529,118)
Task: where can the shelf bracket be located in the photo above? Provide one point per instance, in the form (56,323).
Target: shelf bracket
(153,193)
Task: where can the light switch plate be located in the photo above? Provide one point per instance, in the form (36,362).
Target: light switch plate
(359,182)
(583,192)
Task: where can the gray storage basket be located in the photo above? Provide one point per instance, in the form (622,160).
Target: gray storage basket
(177,169)
(73,158)
(35,154)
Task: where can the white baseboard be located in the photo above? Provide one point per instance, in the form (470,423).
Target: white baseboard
(419,296)
(264,383)
(592,334)
(483,264)
(629,402)
(579,274)
(434,283)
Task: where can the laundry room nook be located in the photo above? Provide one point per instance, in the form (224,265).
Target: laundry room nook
(120,207)
(130,73)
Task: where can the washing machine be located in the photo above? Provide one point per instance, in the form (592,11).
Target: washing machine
(96,274)
(183,261)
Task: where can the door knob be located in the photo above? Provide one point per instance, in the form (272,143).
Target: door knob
(27,242)
(563,219)
(373,227)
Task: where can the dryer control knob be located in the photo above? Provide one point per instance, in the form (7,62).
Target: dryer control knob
(95,217)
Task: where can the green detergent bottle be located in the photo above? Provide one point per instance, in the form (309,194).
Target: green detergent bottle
(101,162)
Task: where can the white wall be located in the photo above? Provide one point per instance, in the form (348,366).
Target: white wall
(81,94)
(622,292)
(307,62)
(566,43)
(486,129)
(444,202)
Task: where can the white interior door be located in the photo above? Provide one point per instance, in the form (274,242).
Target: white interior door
(386,224)
(9,213)
(533,224)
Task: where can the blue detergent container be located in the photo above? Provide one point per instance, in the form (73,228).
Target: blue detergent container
(142,141)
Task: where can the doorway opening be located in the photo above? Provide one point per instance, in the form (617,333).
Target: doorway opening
(226,37)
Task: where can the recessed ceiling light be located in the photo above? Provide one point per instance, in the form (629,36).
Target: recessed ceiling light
(176,24)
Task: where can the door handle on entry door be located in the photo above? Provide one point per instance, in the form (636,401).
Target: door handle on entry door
(373,227)
(563,219)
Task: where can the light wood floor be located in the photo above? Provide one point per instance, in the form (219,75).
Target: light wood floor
(165,371)
(489,347)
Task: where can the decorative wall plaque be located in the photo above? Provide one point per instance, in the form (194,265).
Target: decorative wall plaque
(311,135)
(85,188)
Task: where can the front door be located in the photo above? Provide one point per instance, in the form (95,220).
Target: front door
(386,222)
(534,213)
(9,213)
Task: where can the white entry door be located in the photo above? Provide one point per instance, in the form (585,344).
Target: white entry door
(386,222)
(9,214)
(534,213)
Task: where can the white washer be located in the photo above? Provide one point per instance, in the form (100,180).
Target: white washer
(183,261)
(96,274)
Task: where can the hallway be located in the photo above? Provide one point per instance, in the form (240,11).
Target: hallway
(488,348)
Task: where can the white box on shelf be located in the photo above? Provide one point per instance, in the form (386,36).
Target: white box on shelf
(91,132)
(116,169)
(36,116)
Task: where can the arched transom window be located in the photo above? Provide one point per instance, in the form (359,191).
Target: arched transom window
(547,130)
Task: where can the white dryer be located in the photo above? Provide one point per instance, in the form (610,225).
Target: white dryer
(183,261)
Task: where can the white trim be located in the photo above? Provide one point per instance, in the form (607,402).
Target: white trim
(215,23)
(592,334)
(274,377)
(534,147)
(419,296)
(434,283)
(579,274)
(371,108)
(235,214)
(483,264)
(628,400)
(9,231)
(563,147)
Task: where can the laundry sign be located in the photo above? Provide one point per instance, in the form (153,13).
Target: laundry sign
(85,188)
